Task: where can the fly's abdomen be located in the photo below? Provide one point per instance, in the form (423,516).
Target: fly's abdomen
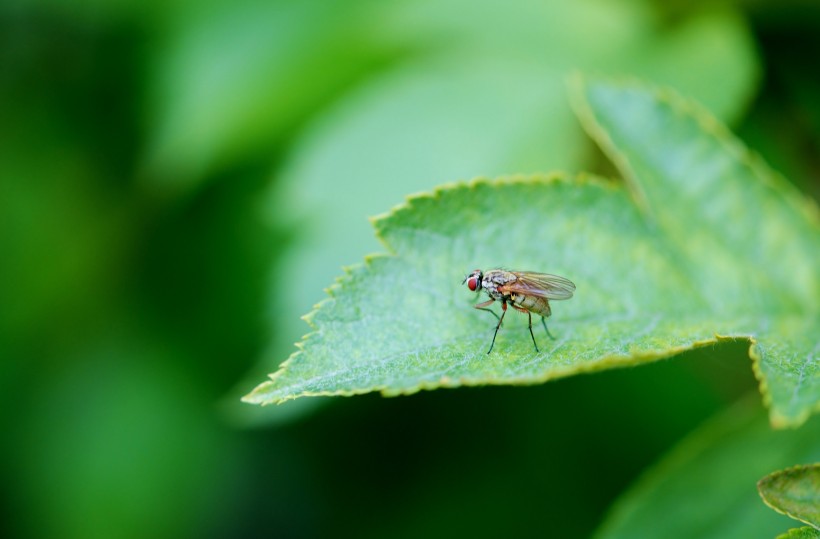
(534,304)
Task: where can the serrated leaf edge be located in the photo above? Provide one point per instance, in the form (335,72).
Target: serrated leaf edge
(259,394)
(256,396)
(796,533)
(505,180)
(776,418)
(577,82)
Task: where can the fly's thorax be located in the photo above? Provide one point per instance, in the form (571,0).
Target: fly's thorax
(495,278)
(491,287)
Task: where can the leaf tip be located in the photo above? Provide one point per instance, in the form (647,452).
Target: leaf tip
(793,492)
(257,396)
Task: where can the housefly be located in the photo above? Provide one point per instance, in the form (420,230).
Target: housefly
(527,291)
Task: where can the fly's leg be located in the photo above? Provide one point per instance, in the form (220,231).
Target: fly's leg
(483,307)
(492,312)
(529,314)
(544,321)
(504,309)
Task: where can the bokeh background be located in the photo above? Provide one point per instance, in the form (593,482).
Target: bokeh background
(180,180)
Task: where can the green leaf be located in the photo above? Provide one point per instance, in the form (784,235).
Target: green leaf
(472,103)
(745,236)
(703,243)
(704,487)
(228,79)
(805,532)
(794,492)
(231,79)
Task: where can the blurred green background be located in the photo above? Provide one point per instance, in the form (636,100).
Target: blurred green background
(179,181)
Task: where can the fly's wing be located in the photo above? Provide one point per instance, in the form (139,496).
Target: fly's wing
(542,285)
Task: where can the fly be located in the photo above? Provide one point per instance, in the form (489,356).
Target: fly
(527,291)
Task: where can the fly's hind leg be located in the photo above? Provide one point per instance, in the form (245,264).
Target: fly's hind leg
(529,315)
(544,321)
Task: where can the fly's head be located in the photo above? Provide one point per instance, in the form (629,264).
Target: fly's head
(473,280)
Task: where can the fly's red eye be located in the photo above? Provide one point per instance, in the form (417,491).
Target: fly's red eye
(472,283)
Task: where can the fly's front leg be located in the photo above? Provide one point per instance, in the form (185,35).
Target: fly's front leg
(483,307)
(504,311)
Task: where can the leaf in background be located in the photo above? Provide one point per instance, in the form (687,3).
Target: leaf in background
(113,423)
(805,532)
(231,79)
(685,262)
(704,487)
(744,235)
(794,492)
(227,80)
